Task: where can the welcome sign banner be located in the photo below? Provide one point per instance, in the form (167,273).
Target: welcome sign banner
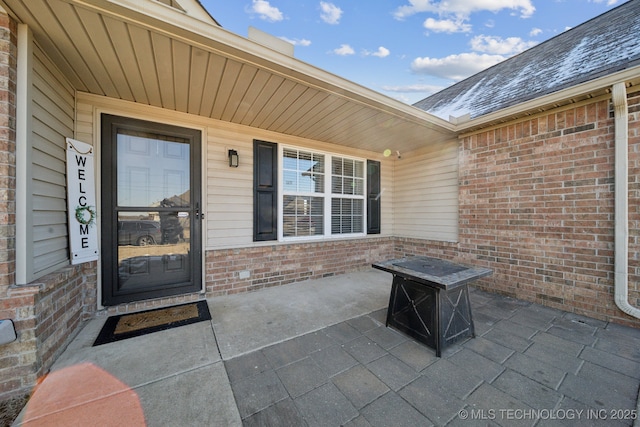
(81,202)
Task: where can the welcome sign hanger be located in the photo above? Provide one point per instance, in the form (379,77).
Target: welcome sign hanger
(81,202)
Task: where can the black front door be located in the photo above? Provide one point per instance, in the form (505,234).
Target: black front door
(151,220)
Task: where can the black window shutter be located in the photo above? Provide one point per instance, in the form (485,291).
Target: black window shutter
(373,197)
(265,191)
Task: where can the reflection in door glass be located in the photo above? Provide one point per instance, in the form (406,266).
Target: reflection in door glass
(152,171)
(153,249)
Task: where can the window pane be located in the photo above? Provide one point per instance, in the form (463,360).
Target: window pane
(348,167)
(347,216)
(336,210)
(346,225)
(318,159)
(358,222)
(336,184)
(358,187)
(290,159)
(303,171)
(303,216)
(358,175)
(358,206)
(317,206)
(306,183)
(347,177)
(336,166)
(318,180)
(289,181)
(289,203)
(305,157)
(318,172)
(348,186)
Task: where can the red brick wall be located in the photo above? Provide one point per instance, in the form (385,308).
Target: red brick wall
(8,40)
(282,264)
(11,371)
(46,314)
(537,206)
(60,306)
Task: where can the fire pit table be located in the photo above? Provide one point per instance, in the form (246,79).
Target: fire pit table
(429,299)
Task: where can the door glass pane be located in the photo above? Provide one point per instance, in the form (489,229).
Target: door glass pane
(153,249)
(152,170)
(154,224)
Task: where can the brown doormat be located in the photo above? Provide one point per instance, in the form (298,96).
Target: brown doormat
(125,326)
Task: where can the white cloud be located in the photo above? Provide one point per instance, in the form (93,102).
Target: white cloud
(415,6)
(297,42)
(535,32)
(417,88)
(609,2)
(464,8)
(266,11)
(331,13)
(382,52)
(446,26)
(402,98)
(344,50)
(455,67)
(499,46)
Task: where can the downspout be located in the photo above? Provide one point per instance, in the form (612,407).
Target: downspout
(621,284)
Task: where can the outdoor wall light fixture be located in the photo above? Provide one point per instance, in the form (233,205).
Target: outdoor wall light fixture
(234,160)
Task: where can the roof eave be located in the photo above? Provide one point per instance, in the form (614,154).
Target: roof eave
(192,30)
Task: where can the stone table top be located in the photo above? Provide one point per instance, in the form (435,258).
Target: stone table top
(433,271)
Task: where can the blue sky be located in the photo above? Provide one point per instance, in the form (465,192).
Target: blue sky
(406,49)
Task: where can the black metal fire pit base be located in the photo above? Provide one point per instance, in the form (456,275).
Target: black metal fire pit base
(432,316)
(429,299)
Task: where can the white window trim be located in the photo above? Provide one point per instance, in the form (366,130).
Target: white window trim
(327,195)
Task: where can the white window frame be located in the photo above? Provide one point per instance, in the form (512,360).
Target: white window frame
(327,195)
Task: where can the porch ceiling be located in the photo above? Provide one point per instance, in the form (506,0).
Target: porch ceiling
(149,53)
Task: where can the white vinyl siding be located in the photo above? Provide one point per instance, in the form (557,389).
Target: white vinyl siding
(229,191)
(426,193)
(51,122)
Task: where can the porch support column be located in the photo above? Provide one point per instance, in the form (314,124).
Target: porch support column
(24,206)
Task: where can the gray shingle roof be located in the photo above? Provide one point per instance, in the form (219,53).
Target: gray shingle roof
(603,45)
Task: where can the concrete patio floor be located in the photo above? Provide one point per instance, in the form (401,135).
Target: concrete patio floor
(317,353)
